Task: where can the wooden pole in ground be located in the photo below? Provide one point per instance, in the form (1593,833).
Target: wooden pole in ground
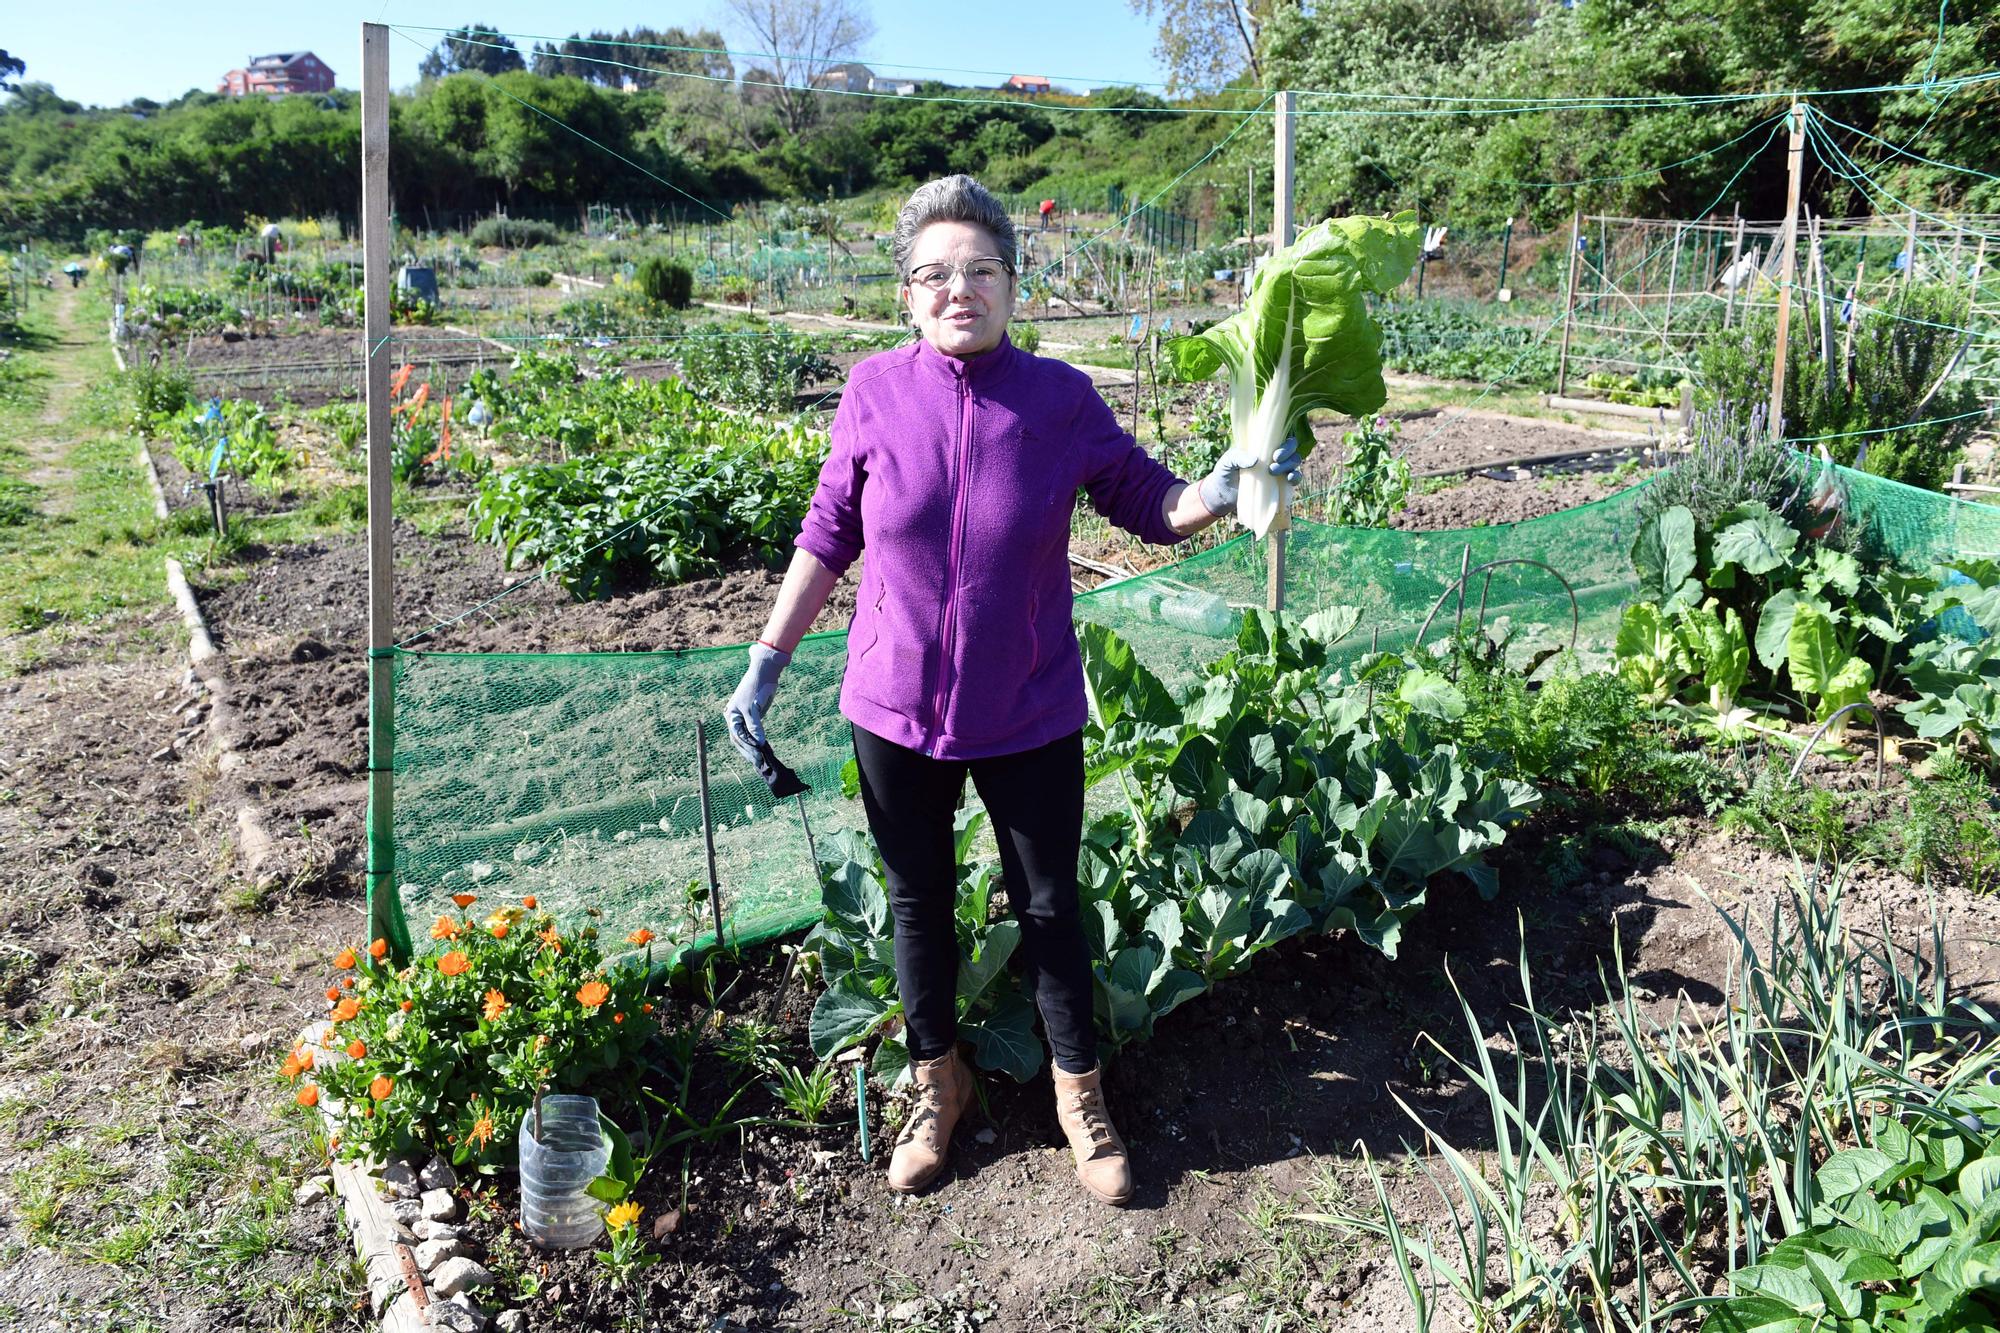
(1673,276)
(1910,251)
(1735,253)
(1794,169)
(1569,301)
(385,912)
(1281,236)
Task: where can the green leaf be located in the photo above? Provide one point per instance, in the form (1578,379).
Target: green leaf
(1774,628)
(1332,624)
(976,973)
(1754,1314)
(1004,1039)
(845,1013)
(1852,1169)
(1819,667)
(1663,555)
(1786,1285)
(1759,544)
(1979,1178)
(1431,694)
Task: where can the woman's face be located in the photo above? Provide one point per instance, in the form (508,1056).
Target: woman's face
(961,318)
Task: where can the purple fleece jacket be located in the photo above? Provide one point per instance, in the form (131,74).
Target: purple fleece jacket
(958,476)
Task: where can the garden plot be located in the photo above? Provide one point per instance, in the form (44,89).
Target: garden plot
(311,368)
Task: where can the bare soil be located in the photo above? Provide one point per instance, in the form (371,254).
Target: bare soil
(310,367)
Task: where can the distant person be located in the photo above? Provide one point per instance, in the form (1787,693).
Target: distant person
(119,257)
(1048,213)
(962,658)
(75,271)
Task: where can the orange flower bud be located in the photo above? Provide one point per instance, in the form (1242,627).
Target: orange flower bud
(529,902)
(379,949)
(347,983)
(307,1096)
(332,994)
(408,1005)
(500,929)
(357,1049)
(641,936)
(618,1018)
(381,1087)
(344,959)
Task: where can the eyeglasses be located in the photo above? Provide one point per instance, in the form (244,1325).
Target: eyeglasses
(981,273)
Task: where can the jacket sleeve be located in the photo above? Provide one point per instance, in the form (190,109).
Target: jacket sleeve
(1125,483)
(832,527)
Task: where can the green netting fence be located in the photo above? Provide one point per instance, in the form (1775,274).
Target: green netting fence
(573,776)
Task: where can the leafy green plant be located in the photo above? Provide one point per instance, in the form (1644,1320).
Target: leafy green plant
(807,1095)
(855,946)
(1458,340)
(448,1051)
(1952,831)
(764,370)
(1372,484)
(1304,340)
(252,451)
(665,282)
(514,233)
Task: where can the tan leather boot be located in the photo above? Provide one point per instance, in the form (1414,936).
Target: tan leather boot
(944,1087)
(1101,1162)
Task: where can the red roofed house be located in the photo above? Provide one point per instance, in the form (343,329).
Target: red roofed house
(287,72)
(1026,83)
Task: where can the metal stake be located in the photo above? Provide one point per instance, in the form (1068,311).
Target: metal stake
(708,827)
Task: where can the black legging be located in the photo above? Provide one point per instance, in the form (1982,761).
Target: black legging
(1035,800)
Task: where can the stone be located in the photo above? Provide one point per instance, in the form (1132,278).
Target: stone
(439,1206)
(459,1315)
(429,1230)
(431,1253)
(399,1181)
(314,1187)
(408,1211)
(456,1275)
(438,1175)
(512,1321)
(907,1312)
(985,1136)
(253,1042)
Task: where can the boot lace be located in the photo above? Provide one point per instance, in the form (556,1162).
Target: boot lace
(1088,1110)
(927,1107)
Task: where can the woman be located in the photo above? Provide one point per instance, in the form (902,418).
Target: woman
(955,461)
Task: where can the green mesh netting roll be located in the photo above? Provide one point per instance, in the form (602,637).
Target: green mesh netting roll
(572,776)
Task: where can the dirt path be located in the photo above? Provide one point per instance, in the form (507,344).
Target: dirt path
(146,1180)
(48,448)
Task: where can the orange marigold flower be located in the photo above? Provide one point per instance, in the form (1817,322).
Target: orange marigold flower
(500,929)
(465,899)
(357,1049)
(646,1008)
(482,1131)
(347,983)
(304,1055)
(529,902)
(444,928)
(618,1018)
(345,958)
(332,994)
(496,1005)
(307,1096)
(454,963)
(551,937)
(346,1009)
(367,1113)
(381,1087)
(291,1068)
(641,936)
(592,993)
(409,1005)
(379,949)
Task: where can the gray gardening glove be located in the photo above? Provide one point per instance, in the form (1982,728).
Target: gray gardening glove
(1219,488)
(744,714)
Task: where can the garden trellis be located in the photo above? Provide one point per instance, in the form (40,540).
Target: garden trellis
(577,777)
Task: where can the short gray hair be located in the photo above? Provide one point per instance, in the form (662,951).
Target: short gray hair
(951,199)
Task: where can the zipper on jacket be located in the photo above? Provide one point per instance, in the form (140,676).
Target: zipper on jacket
(951,552)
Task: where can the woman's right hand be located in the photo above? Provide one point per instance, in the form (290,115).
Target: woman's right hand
(744,714)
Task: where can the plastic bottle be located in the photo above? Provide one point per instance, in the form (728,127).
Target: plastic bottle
(556,1171)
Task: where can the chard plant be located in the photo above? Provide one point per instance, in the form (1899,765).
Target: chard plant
(1304,340)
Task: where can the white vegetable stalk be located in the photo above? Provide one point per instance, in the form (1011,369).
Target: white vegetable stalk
(1257,429)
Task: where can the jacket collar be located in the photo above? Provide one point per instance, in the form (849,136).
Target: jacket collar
(984,370)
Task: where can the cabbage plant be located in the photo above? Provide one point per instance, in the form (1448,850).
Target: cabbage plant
(1303,340)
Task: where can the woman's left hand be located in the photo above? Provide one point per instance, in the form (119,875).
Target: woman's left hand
(1221,488)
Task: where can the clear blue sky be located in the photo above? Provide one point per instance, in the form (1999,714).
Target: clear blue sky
(104,52)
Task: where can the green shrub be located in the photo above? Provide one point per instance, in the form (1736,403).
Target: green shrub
(514,233)
(537,277)
(754,370)
(666,282)
(1027,337)
(1898,353)
(158,392)
(1733,461)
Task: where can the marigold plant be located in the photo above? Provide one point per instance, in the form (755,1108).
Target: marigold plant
(454,1045)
